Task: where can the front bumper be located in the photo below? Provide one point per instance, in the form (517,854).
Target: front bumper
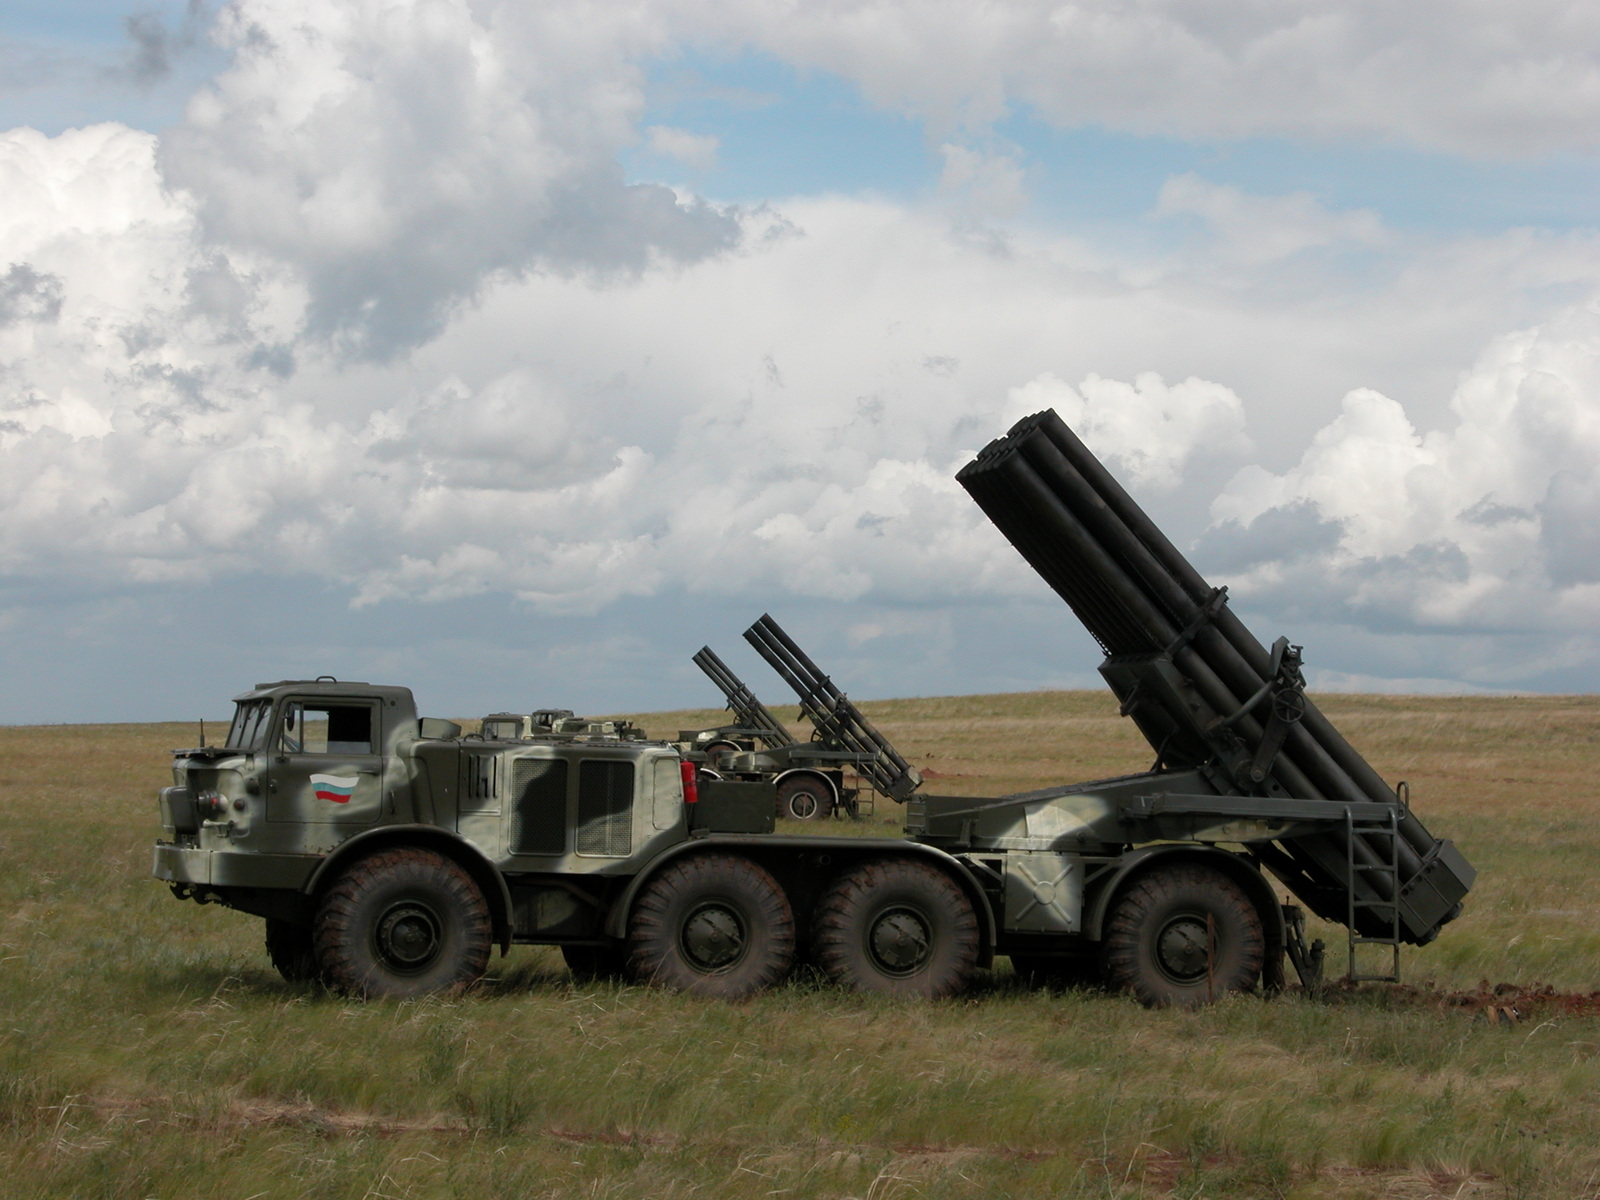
(223,868)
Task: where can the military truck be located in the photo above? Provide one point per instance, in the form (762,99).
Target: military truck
(388,854)
(845,764)
(551,722)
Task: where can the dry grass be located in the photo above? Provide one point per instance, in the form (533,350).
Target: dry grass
(146,1049)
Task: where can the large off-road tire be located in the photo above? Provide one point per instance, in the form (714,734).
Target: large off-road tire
(1058,973)
(712,925)
(290,949)
(403,923)
(805,798)
(597,964)
(896,927)
(1182,935)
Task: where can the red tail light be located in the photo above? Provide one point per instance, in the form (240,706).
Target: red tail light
(691,786)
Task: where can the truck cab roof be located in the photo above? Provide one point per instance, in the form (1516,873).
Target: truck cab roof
(392,696)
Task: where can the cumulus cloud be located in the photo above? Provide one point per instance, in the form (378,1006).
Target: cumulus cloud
(1261,229)
(29,295)
(697,151)
(783,418)
(1449,75)
(1485,525)
(1147,430)
(384,314)
(396,155)
(153,46)
(986,183)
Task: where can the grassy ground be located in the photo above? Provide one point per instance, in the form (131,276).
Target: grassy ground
(147,1049)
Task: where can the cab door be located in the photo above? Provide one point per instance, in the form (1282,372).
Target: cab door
(323,762)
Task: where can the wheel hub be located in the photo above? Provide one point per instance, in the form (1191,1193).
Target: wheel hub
(409,937)
(803,805)
(899,941)
(1183,949)
(713,937)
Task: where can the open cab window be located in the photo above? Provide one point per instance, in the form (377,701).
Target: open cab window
(310,728)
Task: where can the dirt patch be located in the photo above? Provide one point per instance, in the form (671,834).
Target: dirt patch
(1495,1003)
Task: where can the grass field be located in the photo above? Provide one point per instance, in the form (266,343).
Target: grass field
(149,1050)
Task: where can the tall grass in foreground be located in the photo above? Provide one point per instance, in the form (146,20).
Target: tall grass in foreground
(146,1048)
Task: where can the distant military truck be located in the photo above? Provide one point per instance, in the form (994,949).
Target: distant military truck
(552,722)
(843,767)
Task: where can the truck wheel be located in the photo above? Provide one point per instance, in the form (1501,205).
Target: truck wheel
(403,923)
(289,947)
(805,798)
(713,925)
(1182,935)
(898,928)
(596,964)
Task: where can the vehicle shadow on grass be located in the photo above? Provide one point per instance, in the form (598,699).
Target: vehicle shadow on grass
(534,973)
(543,973)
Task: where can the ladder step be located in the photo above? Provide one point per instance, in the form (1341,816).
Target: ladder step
(1381,839)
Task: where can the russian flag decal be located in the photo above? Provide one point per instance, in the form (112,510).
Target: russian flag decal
(337,788)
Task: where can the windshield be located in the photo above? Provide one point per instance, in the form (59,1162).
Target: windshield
(249,721)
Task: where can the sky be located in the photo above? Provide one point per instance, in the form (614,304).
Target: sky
(513,352)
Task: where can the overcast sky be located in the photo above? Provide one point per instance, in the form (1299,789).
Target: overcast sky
(514,351)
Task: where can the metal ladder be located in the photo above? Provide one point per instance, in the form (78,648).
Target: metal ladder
(1378,833)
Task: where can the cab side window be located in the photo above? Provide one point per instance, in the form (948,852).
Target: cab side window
(308,728)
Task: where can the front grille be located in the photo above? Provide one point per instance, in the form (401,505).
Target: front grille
(605,808)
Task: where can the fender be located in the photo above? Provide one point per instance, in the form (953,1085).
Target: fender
(833,787)
(484,873)
(753,845)
(1241,870)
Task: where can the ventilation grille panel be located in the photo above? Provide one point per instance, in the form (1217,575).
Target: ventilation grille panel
(538,806)
(605,808)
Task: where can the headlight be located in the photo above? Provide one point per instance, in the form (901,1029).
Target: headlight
(212,806)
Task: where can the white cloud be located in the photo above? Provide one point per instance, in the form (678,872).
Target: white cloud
(396,154)
(786,418)
(1452,75)
(1484,525)
(1146,430)
(987,183)
(1255,230)
(697,151)
(567,391)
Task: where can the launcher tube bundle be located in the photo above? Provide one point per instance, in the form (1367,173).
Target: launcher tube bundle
(838,721)
(748,711)
(1206,693)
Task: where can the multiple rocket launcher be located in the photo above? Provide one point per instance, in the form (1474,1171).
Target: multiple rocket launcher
(1234,733)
